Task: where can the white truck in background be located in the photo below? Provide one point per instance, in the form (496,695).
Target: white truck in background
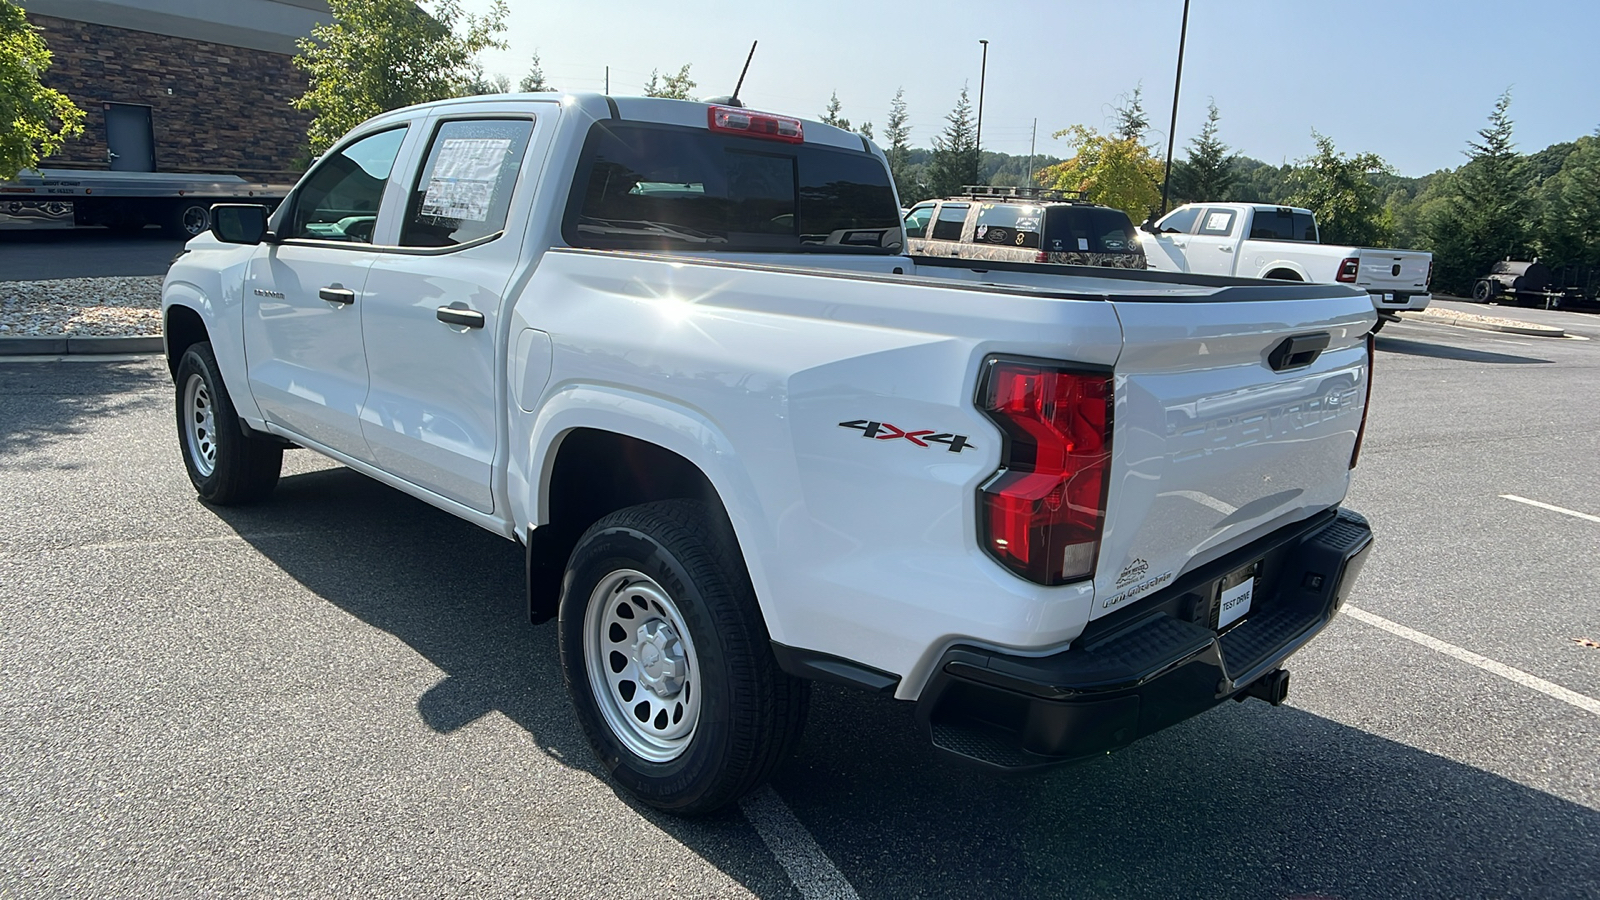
(678,351)
(1253,240)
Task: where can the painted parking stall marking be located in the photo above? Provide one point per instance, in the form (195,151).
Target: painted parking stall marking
(813,874)
(1557,509)
(1534,682)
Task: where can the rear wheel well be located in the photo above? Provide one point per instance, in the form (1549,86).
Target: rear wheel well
(1284,275)
(597,473)
(184,328)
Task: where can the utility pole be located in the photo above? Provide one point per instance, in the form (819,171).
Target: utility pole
(1031,138)
(1172,130)
(983,70)
(608,79)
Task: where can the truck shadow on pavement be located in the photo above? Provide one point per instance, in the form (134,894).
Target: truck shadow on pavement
(1245,801)
(1459,354)
(454,593)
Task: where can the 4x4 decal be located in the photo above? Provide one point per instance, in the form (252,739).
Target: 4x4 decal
(883,431)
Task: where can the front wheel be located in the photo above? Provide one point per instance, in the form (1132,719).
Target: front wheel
(226,464)
(668,659)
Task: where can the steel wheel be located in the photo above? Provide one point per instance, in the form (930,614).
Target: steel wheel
(194,220)
(200,425)
(642,666)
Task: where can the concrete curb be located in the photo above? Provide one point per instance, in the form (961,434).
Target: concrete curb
(65,345)
(1484,323)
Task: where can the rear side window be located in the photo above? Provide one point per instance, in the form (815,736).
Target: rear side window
(1217,222)
(463,192)
(1009,225)
(951,217)
(1283,225)
(917,221)
(666,187)
(1088,229)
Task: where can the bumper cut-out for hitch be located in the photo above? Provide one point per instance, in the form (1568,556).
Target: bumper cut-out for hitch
(1272,687)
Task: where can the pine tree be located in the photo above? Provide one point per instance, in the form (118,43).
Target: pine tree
(1132,121)
(865,130)
(831,116)
(533,82)
(955,152)
(1486,217)
(1569,232)
(898,134)
(1208,173)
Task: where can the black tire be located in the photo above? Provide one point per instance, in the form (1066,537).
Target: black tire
(186,219)
(1483,291)
(750,714)
(240,467)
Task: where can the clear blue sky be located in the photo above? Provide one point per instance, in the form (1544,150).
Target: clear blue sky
(1407,79)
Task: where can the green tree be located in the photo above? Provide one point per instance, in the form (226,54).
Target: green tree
(672,87)
(956,160)
(898,134)
(1132,121)
(1485,218)
(378,55)
(1569,208)
(1339,189)
(1208,172)
(479,83)
(865,130)
(830,116)
(1110,169)
(38,119)
(533,82)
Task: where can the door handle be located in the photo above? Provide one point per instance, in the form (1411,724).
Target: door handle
(1225,249)
(337,295)
(469,318)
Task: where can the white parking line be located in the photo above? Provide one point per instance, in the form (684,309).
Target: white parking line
(813,874)
(1549,688)
(1564,511)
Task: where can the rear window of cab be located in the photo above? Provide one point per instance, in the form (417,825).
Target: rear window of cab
(1088,229)
(647,186)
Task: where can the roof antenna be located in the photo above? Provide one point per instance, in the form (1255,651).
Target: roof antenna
(734,100)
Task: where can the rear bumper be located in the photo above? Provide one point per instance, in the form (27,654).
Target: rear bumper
(1399,301)
(1138,671)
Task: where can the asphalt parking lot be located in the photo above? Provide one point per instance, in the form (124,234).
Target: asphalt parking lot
(336,693)
(84,253)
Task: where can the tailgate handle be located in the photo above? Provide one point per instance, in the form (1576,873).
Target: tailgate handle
(1297,352)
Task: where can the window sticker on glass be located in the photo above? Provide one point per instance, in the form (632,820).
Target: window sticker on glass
(1083,243)
(1218,221)
(464,178)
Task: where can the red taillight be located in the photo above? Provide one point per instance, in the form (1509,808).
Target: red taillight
(1041,256)
(755,124)
(1366,404)
(1042,513)
(1348,270)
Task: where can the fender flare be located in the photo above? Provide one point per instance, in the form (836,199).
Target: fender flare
(674,427)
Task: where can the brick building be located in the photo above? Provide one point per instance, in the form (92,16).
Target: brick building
(180,86)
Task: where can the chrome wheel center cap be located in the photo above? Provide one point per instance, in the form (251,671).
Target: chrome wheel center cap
(659,655)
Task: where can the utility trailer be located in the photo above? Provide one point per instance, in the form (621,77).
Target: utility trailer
(125,201)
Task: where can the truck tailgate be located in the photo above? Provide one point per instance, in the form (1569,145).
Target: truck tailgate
(1393,271)
(1213,447)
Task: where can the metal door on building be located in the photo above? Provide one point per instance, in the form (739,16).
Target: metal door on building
(130,139)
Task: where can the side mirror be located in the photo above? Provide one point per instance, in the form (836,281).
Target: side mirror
(239,223)
(1148,225)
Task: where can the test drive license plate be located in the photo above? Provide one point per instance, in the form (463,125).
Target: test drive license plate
(1235,591)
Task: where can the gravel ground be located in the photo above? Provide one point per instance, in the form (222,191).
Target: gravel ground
(81,306)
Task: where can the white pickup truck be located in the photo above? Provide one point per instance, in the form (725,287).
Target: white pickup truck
(676,350)
(1258,241)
